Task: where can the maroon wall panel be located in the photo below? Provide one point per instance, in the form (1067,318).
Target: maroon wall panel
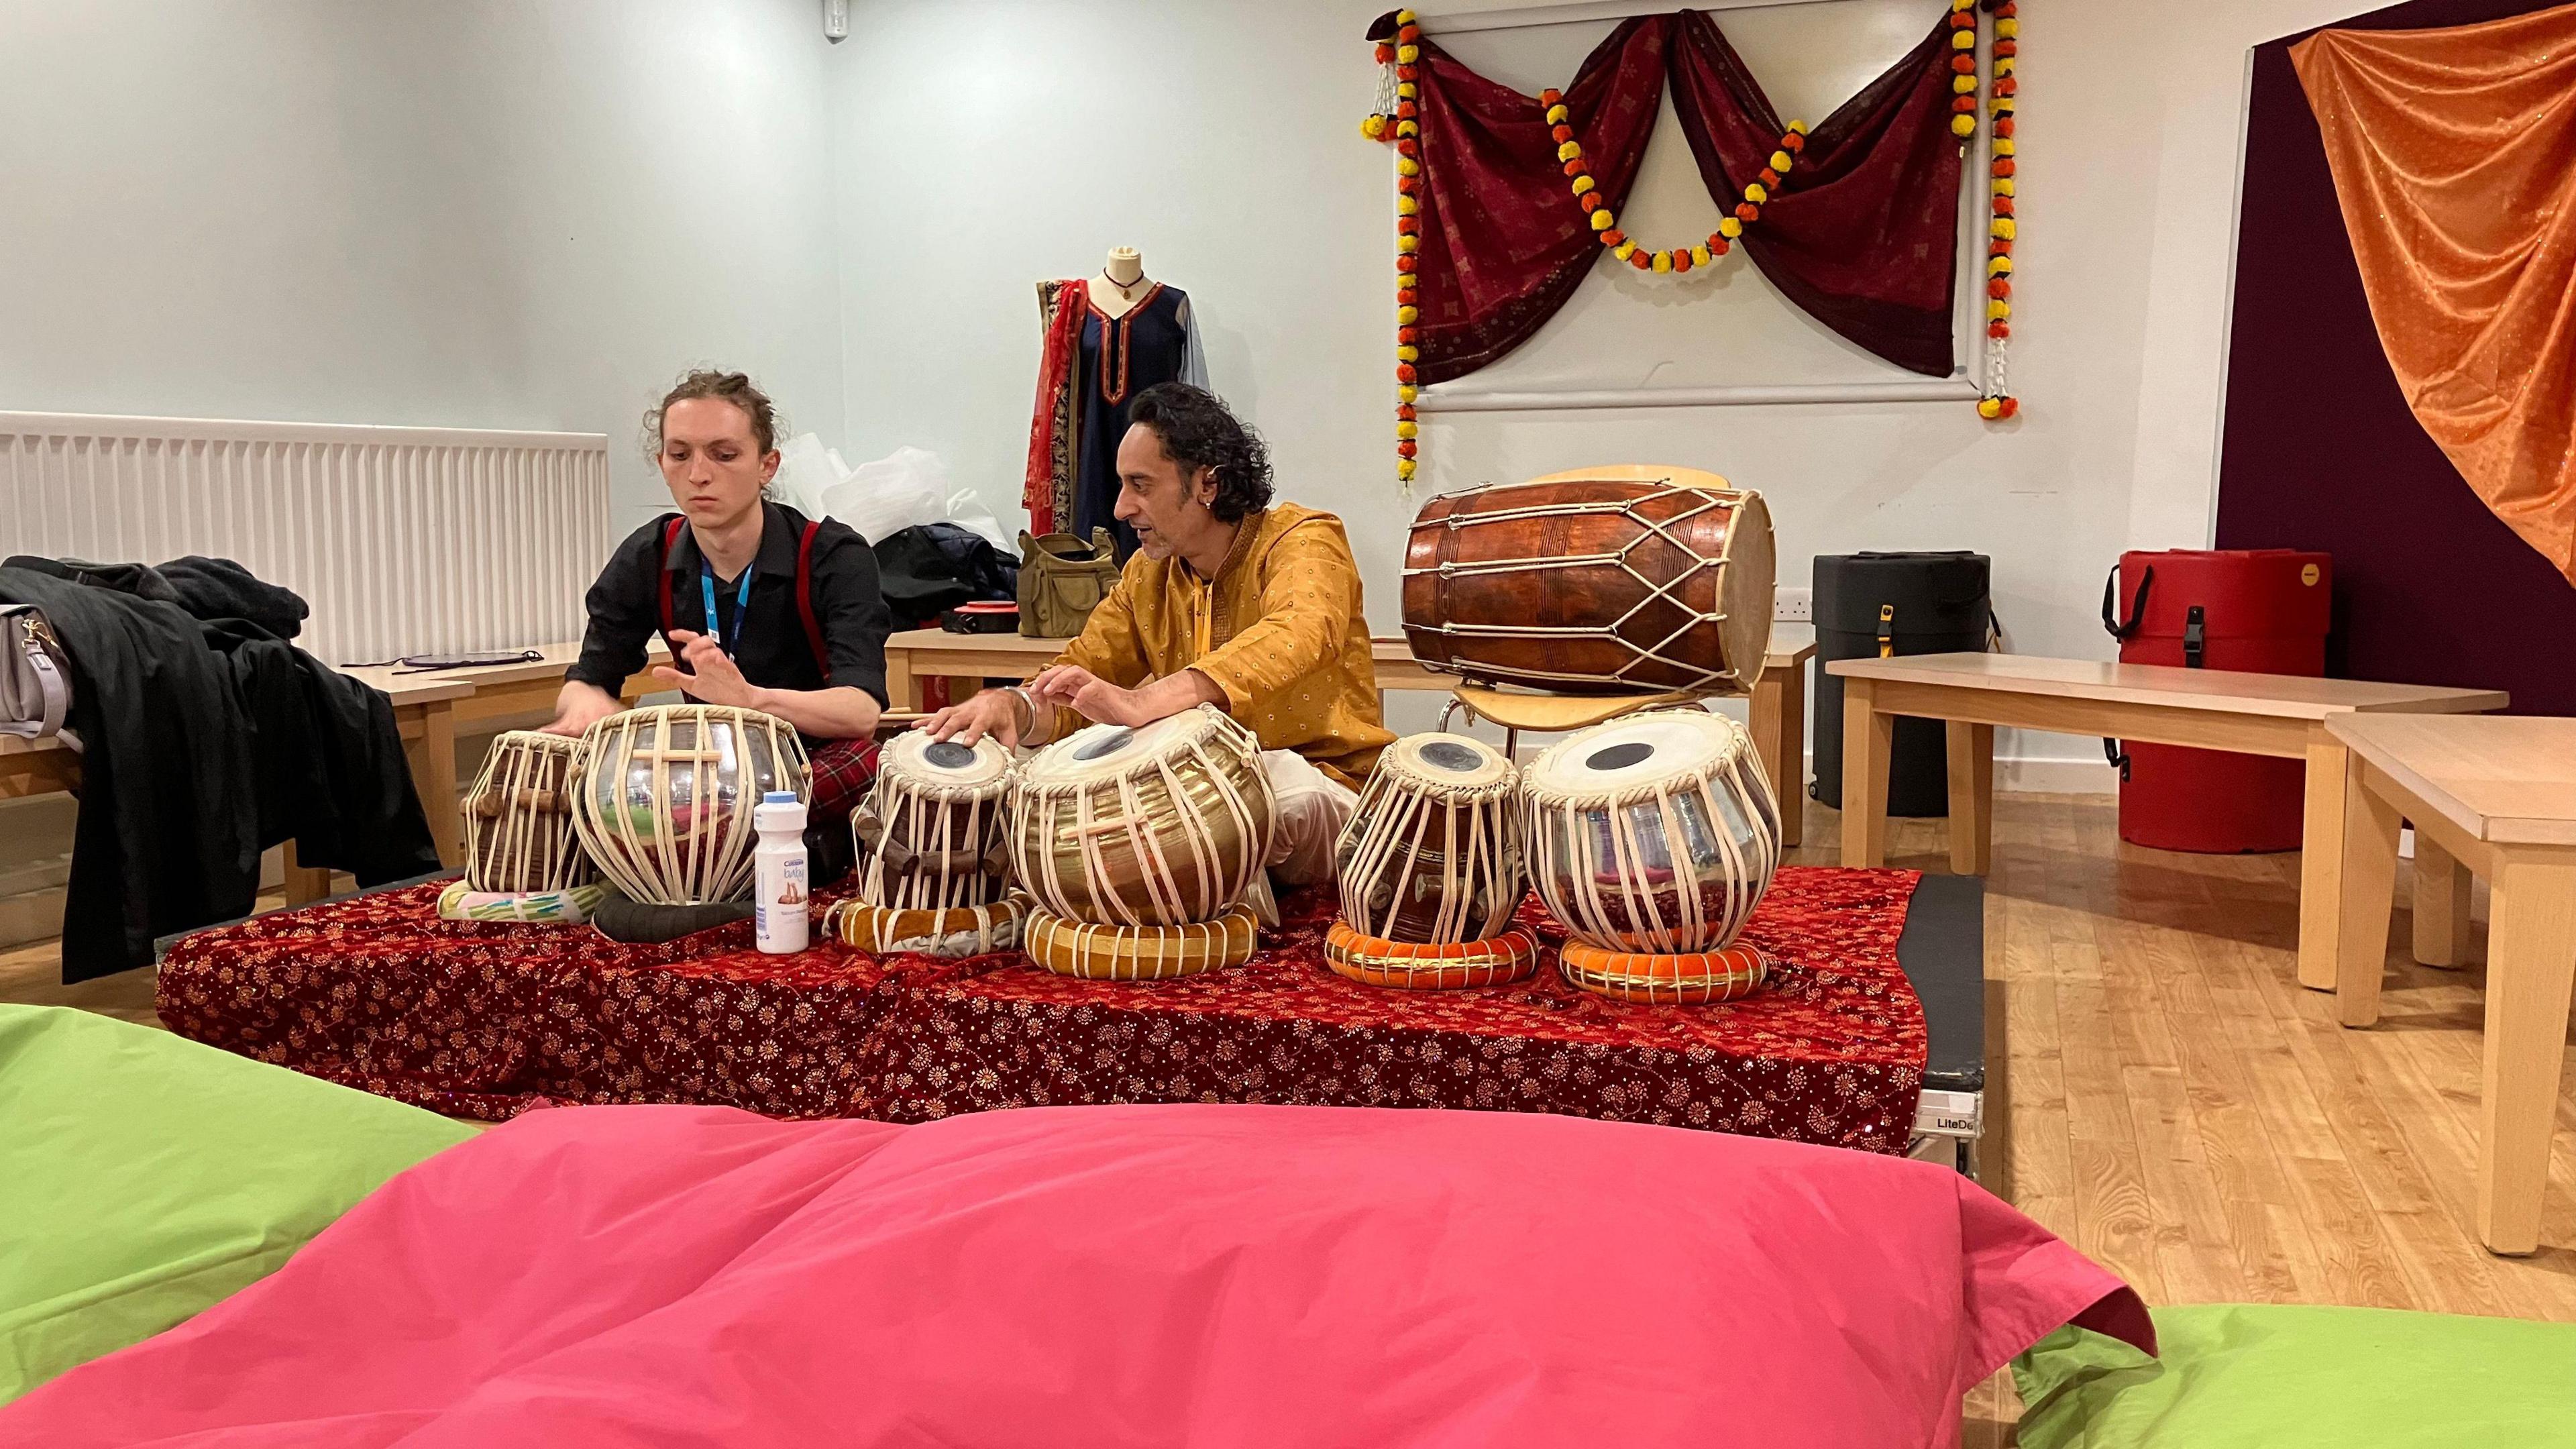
(2320,451)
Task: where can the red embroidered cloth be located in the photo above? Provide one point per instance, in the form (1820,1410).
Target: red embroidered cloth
(484,1019)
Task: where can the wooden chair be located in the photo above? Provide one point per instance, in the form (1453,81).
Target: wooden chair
(1550,714)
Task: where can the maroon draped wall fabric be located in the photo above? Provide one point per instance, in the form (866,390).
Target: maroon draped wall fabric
(1503,242)
(1863,234)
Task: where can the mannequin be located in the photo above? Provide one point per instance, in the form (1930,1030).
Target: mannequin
(1121,285)
(1108,337)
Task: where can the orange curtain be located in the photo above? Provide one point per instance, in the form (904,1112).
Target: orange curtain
(2454,157)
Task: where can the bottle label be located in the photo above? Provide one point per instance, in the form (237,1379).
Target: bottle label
(785,898)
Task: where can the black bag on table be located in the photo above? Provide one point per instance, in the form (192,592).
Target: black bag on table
(931,568)
(1872,605)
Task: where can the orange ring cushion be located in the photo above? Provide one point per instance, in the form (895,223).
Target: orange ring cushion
(1690,979)
(1407,965)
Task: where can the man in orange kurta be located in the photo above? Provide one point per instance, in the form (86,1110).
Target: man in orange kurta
(1232,600)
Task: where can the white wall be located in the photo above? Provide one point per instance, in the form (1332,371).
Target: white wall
(475,213)
(984,144)
(530,213)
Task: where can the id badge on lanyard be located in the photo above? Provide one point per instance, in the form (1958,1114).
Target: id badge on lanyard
(741,605)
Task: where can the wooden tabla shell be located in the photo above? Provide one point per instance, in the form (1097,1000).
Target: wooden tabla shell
(1141,953)
(1163,825)
(967,931)
(1606,808)
(519,835)
(930,836)
(1587,584)
(1432,852)
(664,797)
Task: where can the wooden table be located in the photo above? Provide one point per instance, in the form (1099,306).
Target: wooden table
(2497,796)
(2255,714)
(36,767)
(1779,704)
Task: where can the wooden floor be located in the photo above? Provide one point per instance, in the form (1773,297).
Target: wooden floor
(2161,1092)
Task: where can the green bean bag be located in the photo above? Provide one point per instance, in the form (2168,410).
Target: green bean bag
(2290,1376)
(144,1177)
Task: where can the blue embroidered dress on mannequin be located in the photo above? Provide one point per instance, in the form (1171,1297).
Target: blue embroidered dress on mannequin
(1082,418)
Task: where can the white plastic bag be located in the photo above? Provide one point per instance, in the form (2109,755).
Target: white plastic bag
(806,472)
(883,498)
(968,512)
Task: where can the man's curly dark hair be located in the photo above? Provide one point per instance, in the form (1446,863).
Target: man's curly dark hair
(1198,432)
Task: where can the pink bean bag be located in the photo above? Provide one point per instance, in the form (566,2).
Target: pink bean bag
(1114,1275)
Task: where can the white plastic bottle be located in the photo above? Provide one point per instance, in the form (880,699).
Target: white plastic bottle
(778,873)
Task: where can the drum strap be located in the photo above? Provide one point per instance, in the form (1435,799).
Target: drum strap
(671,527)
(2122,630)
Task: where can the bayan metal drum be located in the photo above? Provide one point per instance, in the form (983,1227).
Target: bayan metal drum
(1652,838)
(1600,581)
(663,798)
(518,817)
(1164,825)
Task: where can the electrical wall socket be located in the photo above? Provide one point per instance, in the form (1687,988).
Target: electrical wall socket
(1793,606)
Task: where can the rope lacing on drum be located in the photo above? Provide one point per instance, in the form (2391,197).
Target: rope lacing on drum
(1667,591)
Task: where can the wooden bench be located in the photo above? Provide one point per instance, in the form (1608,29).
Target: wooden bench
(2254,714)
(2497,796)
(1778,713)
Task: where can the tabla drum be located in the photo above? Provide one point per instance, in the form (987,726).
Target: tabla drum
(1653,838)
(1163,825)
(1432,852)
(1608,580)
(663,798)
(519,837)
(930,835)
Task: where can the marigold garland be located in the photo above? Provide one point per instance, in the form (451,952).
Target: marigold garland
(2002,226)
(1605,226)
(1396,122)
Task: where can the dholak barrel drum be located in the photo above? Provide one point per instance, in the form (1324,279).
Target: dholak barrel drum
(663,798)
(1601,581)
(519,836)
(1430,870)
(934,861)
(1141,831)
(1652,838)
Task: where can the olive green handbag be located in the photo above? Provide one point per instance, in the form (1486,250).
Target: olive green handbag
(1062,580)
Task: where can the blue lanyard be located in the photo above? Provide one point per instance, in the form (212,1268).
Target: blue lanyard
(741,603)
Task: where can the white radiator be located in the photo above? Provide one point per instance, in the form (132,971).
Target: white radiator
(403,540)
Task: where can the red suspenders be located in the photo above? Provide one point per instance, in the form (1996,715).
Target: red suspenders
(804,589)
